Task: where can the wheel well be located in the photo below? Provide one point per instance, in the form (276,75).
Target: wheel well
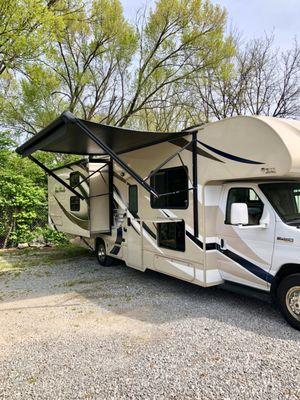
(285,270)
(99,240)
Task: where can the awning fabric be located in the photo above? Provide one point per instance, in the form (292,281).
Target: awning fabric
(67,134)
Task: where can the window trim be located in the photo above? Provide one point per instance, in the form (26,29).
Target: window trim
(167,247)
(152,197)
(227,221)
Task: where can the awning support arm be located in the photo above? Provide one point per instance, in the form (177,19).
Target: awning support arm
(166,161)
(51,173)
(111,153)
(89,176)
(195,185)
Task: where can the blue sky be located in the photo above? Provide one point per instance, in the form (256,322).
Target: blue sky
(252,17)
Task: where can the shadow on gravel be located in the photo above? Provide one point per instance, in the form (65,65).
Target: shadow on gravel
(151,297)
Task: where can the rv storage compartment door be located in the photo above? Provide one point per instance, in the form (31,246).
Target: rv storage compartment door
(99,198)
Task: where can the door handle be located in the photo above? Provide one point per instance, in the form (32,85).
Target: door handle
(222,244)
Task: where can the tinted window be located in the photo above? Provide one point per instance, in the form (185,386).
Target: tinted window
(248,196)
(172,183)
(171,235)
(133,199)
(285,198)
(74,178)
(74,203)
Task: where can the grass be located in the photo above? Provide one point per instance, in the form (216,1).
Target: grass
(17,260)
(77,282)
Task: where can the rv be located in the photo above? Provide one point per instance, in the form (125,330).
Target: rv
(212,204)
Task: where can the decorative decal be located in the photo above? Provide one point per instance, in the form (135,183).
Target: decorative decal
(82,223)
(181,142)
(268,170)
(254,269)
(229,156)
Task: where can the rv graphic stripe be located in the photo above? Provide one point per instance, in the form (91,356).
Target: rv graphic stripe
(180,142)
(82,223)
(254,269)
(194,239)
(229,156)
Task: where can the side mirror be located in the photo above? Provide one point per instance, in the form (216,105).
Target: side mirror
(239,214)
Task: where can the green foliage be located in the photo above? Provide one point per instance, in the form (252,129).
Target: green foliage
(51,236)
(22,202)
(22,195)
(26,27)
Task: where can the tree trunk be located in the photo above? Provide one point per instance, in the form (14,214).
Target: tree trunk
(8,234)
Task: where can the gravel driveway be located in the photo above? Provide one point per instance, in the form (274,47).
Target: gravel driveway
(75,330)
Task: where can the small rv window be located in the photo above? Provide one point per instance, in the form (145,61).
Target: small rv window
(133,199)
(248,196)
(74,203)
(171,235)
(74,178)
(173,181)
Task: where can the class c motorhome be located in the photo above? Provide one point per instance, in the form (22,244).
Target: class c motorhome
(212,204)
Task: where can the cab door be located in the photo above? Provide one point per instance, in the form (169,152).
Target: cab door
(245,251)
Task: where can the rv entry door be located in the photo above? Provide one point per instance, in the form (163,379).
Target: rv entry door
(99,197)
(135,244)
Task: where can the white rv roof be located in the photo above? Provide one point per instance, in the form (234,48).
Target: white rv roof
(252,147)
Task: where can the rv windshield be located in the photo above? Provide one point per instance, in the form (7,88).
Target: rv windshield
(285,198)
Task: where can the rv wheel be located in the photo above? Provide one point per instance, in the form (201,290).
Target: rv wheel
(288,296)
(101,255)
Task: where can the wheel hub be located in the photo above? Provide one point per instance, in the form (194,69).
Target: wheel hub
(101,252)
(293,301)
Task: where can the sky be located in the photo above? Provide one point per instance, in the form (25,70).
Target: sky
(253,18)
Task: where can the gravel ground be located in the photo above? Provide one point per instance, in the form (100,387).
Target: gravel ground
(75,330)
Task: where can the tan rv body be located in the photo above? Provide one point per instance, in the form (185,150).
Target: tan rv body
(238,152)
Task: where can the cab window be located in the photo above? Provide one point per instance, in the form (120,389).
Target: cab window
(248,196)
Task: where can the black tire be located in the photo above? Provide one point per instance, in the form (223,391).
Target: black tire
(288,297)
(102,257)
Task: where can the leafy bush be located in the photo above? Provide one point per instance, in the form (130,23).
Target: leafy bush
(51,236)
(23,196)
(22,207)
(23,204)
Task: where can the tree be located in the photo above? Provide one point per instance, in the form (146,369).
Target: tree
(106,70)
(22,195)
(24,31)
(177,41)
(258,80)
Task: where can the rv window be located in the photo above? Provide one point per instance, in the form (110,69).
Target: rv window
(74,203)
(133,199)
(170,180)
(74,178)
(285,198)
(248,196)
(171,235)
